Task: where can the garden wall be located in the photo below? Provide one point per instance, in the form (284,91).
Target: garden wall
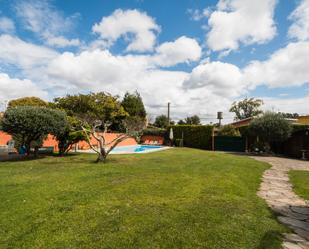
(83,145)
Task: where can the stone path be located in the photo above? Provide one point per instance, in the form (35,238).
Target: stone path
(292,210)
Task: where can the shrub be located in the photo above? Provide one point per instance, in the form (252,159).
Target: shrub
(228,130)
(31,124)
(271,127)
(154,132)
(194,136)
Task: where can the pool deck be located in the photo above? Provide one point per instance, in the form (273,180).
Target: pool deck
(127,152)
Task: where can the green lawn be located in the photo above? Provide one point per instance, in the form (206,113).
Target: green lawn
(300,182)
(179,198)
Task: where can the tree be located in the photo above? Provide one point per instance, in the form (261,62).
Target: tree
(228,130)
(71,135)
(97,112)
(133,126)
(161,121)
(31,124)
(181,122)
(28,101)
(194,120)
(246,108)
(289,115)
(133,105)
(92,107)
(271,127)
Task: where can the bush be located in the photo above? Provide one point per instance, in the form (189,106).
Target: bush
(154,132)
(271,127)
(194,136)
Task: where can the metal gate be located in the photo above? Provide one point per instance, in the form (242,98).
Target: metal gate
(225,143)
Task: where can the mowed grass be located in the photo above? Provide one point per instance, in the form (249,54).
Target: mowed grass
(179,198)
(300,182)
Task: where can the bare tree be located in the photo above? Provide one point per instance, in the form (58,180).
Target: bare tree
(133,127)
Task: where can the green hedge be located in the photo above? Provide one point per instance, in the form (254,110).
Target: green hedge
(195,136)
(155,132)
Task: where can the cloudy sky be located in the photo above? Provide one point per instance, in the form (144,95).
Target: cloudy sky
(198,55)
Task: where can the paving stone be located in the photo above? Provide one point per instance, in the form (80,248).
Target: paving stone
(289,245)
(294,223)
(301,210)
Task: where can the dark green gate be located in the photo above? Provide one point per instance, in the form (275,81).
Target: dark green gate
(224,143)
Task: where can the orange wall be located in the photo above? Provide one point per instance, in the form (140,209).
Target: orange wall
(51,141)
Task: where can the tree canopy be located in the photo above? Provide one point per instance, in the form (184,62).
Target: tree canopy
(32,123)
(161,121)
(28,101)
(133,105)
(92,107)
(249,107)
(193,120)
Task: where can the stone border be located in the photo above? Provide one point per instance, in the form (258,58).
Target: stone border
(292,210)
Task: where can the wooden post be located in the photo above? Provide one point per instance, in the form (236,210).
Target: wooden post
(168,112)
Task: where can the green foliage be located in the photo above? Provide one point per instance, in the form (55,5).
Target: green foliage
(195,136)
(161,121)
(31,123)
(228,130)
(72,134)
(193,120)
(289,115)
(28,101)
(133,105)
(271,127)
(92,107)
(155,132)
(181,122)
(246,108)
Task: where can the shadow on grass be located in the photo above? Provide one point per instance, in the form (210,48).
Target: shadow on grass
(271,239)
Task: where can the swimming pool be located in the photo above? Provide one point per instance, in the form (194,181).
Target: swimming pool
(137,149)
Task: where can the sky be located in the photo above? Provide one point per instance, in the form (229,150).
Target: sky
(198,55)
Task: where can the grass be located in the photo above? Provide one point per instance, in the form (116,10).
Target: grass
(180,198)
(300,182)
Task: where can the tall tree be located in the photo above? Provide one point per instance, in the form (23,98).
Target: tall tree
(249,107)
(27,101)
(32,123)
(133,105)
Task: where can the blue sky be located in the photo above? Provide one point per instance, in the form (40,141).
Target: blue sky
(199,55)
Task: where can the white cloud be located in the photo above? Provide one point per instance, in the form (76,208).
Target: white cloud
(183,49)
(61,42)
(11,88)
(49,24)
(222,79)
(300,28)
(6,25)
(290,105)
(240,21)
(285,67)
(20,53)
(123,23)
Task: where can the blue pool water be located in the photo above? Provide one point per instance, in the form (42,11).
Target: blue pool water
(136,148)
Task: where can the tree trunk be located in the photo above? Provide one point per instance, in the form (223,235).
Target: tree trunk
(102,156)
